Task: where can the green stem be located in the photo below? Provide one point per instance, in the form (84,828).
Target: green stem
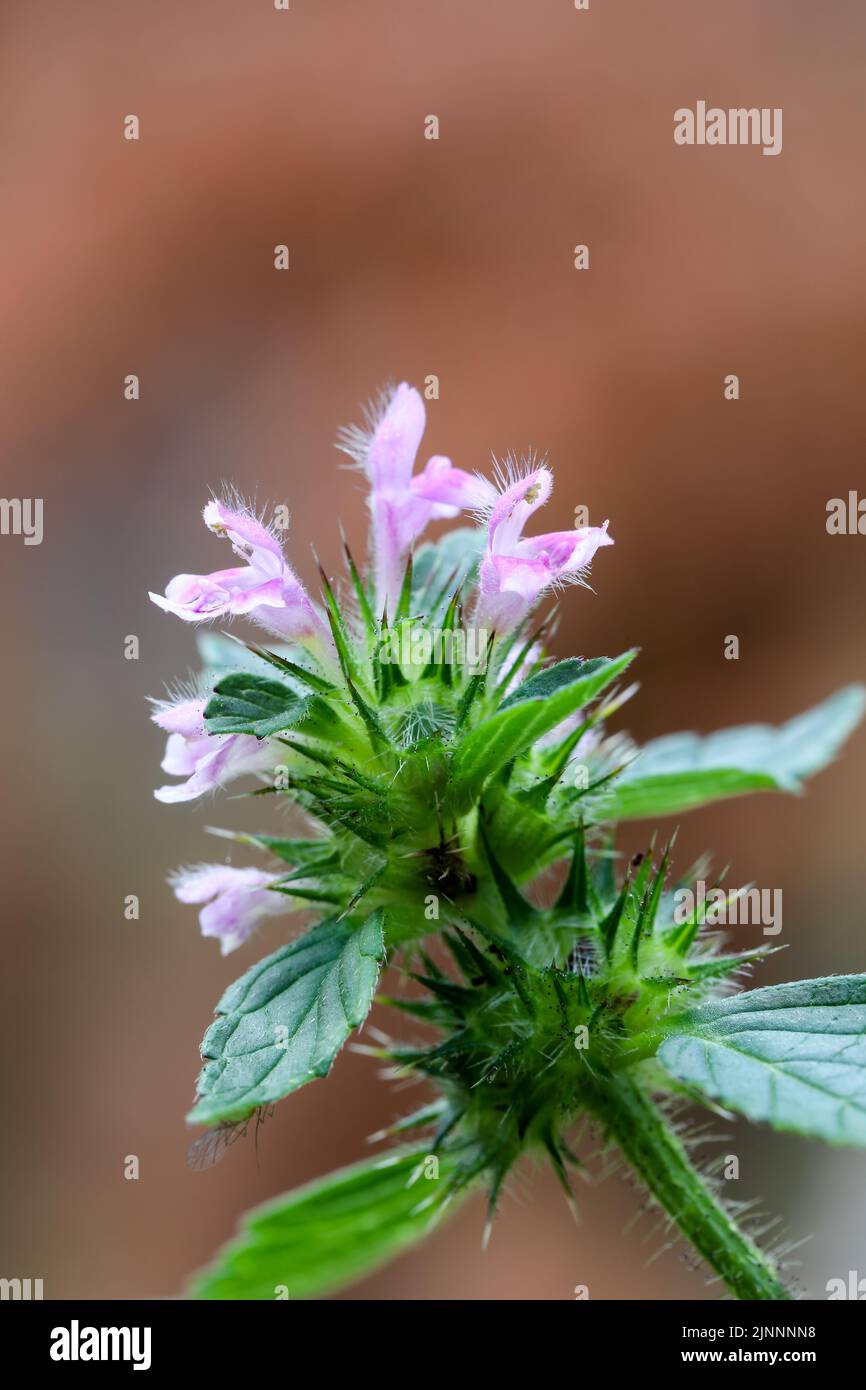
(660,1160)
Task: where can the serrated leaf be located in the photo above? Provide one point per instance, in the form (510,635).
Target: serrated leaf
(537,706)
(244,703)
(791,1056)
(681,771)
(331,1232)
(284,1021)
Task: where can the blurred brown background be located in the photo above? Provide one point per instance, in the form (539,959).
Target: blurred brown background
(409,257)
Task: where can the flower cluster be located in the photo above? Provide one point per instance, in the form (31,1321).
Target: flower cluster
(446,773)
(514,574)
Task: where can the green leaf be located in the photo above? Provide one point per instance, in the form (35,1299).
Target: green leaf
(535,708)
(793,1056)
(244,703)
(331,1232)
(682,771)
(642,798)
(440,568)
(284,1021)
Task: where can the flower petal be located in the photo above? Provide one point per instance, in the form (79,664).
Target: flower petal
(266,589)
(514,508)
(235,900)
(210,762)
(180,716)
(451,489)
(567,551)
(394,445)
(249,537)
(516,570)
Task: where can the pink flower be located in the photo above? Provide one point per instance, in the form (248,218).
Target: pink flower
(401,505)
(207,761)
(236,900)
(516,570)
(265,588)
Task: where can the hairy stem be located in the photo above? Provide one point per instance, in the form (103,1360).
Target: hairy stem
(660,1160)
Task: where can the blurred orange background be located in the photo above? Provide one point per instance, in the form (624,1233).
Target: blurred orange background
(408,257)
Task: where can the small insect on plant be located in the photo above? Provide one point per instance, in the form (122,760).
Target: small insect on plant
(431,751)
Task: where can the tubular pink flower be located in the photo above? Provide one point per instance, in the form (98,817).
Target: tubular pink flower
(235,900)
(207,761)
(401,505)
(516,570)
(265,588)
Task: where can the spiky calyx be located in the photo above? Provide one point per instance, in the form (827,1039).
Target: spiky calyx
(428,730)
(527,1049)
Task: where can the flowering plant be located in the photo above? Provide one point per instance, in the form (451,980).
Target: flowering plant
(445,769)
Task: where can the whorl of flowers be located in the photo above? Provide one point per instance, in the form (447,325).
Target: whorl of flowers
(503,575)
(455,793)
